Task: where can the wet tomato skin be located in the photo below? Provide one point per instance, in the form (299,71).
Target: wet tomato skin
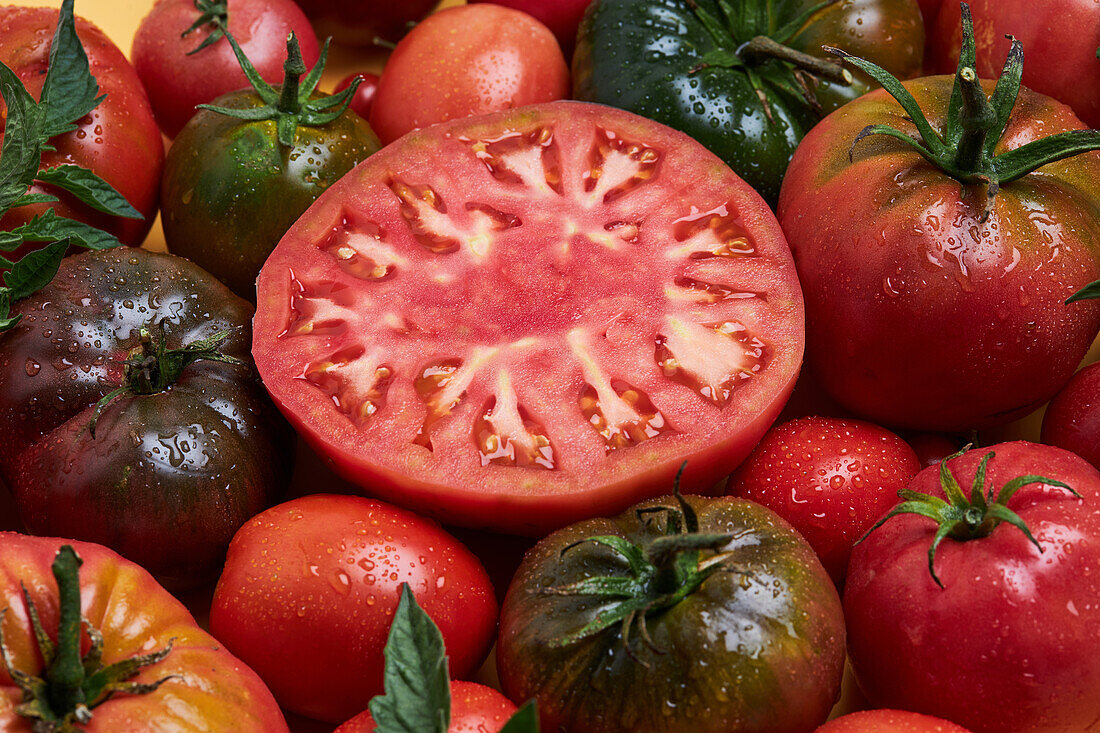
(1012,641)
(474,709)
(757,649)
(210,689)
(118,140)
(1072,420)
(310,587)
(169,477)
(561,16)
(176,81)
(892,251)
(889,721)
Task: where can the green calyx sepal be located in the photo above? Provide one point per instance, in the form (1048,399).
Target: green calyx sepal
(975,123)
(71,686)
(214,13)
(292,106)
(965,518)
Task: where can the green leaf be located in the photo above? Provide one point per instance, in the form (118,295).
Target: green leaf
(49,227)
(35,270)
(22,149)
(721,58)
(418,693)
(1019,162)
(309,81)
(1089,292)
(35,198)
(70,91)
(6,319)
(266,91)
(525,720)
(9,241)
(1005,93)
(90,189)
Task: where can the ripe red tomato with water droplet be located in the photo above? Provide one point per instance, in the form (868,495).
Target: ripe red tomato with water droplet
(889,721)
(310,587)
(474,709)
(831,478)
(561,16)
(1072,420)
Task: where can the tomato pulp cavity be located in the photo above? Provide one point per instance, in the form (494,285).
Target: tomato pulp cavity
(522,319)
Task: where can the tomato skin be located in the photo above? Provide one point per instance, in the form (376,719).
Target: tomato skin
(891,251)
(1012,641)
(752,656)
(889,721)
(310,586)
(231,190)
(830,478)
(474,709)
(1059,64)
(118,140)
(212,691)
(466,61)
(358,22)
(561,16)
(176,82)
(1072,421)
(168,477)
(363,99)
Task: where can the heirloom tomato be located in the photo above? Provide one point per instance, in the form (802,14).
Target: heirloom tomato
(937,236)
(466,61)
(1062,38)
(132,414)
(745,79)
(182,679)
(522,319)
(310,587)
(980,607)
(118,140)
(889,721)
(184,60)
(681,615)
(561,16)
(1072,420)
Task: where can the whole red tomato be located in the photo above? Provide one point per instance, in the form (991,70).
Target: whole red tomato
(1061,37)
(1011,641)
(561,16)
(934,298)
(889,721)
(1072,421)
(830,478)
(465,61)
(177,76)
(474,709)
(363,99)
(118,140)
(360,22)
(310,587)
(204,688)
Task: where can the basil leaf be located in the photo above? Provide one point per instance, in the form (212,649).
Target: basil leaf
(22,149)
(70,91)
(48,227)
(89,188)
(35,270)
(525,720)
(418,690)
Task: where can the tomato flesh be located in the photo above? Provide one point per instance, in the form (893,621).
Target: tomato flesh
(523,319)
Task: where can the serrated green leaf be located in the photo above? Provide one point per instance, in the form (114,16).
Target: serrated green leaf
(22,149)
(90,189)
(70,91)
(49,227)
(34,198)
(9,241)
(525,720)
(35,270)
(418,693)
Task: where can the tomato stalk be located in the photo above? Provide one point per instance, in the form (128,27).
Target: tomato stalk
(71,685)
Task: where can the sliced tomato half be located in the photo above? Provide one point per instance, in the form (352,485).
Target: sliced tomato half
(524,319)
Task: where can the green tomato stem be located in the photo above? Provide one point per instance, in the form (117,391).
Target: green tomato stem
(762,48)
(66,674)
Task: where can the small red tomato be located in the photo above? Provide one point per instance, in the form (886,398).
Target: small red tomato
(310,587)
(474,709)
(561,16)
(830,478)
(363,99)
(932,448)
(1073,419)
(465,61)
(890,721)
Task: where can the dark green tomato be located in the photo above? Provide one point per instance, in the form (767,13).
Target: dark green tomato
(650,57)
(757,648)
(168,477)
(230,190)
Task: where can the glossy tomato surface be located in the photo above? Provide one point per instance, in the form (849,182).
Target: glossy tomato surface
(889,721)
(231,189)
(919,313)
(1012,640)
(167,478)
(757,648)
(1072,420)
(209,690)
(474,709)
(1061,40)
(310,587)
(467,61)
(118,140)
(359,22)
(561,16)
(830,478)
(527,318)
(177,79)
